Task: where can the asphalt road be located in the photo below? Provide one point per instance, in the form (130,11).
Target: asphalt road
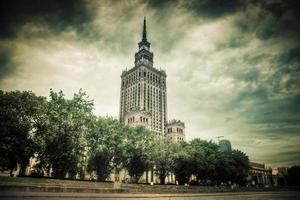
(293,195)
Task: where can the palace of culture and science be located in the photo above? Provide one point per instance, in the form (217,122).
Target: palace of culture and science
(143,98)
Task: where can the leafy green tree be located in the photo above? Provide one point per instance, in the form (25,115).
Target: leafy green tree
(18,113)
(241,166)
(293,176)
(63,133)
(139,148)
(163,157)
(183,164)
(225,168)
(100,162)
(117,139)
(68,138)
(232,166)
(204,156)
(100,141)
(107,142)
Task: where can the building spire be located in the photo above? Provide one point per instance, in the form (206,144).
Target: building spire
(144,30)
(144,44)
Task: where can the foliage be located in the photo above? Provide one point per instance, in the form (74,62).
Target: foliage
(225,168)
(138,149)
(241,167)
(106,146)
(63,133)
(68,138)
(209,165)
(232,166)
(163,156)
(293,176)
(205,156)
(18,113)
(183,164)
(100,162)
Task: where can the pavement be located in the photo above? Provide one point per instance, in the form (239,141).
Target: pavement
(283,195)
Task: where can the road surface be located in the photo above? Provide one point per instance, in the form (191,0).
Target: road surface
(293,195)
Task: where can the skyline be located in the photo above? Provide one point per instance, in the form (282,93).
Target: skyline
(232,66)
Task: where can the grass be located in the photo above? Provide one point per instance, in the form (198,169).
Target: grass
(51,181)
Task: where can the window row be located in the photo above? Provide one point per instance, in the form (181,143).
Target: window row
(178,130)
(151,77)
(142,119)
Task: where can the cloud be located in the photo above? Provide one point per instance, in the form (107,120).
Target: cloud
(214,9)
(57,14)
(5,67)
(232,66)
(271,19)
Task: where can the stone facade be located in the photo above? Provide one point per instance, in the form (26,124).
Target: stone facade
(259,174)
(175,131)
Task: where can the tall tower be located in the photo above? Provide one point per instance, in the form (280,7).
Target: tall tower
(143,98)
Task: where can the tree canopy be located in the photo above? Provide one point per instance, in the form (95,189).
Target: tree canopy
(19,112)
(68,140)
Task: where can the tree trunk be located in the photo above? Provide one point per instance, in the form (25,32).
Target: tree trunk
(162,180)
(135,178)
(11,172)
(152,174)
(147,177)
(22,170)
(82,174)
(162,176)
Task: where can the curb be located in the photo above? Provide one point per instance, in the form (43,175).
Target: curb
(32,188)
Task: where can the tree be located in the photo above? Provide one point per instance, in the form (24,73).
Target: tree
(102,139)
(117,139)
(182,169)
(164,158)
(204,156)
(63,133)
(209,165)
(99,156)
(225,168)
(183,164)
(19,111)
(67,137)
(139,147)
(107,141)
(100,161)
(241,167)
(293,176)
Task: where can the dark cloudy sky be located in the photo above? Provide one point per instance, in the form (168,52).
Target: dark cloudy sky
(233,66)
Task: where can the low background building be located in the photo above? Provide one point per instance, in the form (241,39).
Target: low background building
(259,175)
(138,118)
(175,131)
(225,145)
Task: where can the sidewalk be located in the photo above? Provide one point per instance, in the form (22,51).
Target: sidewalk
(235,195)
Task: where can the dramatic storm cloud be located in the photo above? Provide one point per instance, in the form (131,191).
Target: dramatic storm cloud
(233,66)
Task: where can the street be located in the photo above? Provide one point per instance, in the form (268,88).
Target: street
(284,195)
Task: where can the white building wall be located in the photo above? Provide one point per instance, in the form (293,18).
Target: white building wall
(144,89)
